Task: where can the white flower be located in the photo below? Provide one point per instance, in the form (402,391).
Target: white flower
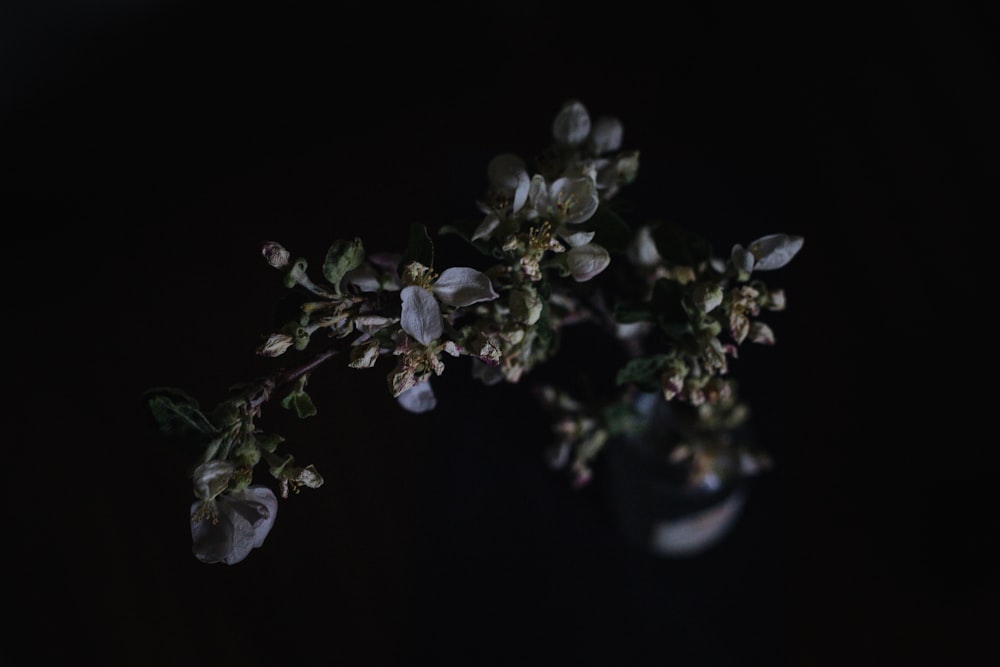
(227,528)
(509,181)
(457,287)
(642,251)
(565,201)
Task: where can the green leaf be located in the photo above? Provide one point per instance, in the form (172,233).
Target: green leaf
(300,403)
(610,230)
(626,313)
(680,246)
(643,371)
(419,249)
(341,257)
(176,413)
(277,466)
(269,441)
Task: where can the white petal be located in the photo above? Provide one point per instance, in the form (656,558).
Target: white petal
(365,278)
(421,316)
(243,537)
(521,191)
(586,261)
(461,286)
(505,171)
(211,541)
(486,227)
(487,374)
(264,505)
(643,249)
(418,399)
(575,198)
(774,251)
(575,238)
(742,259)
(243,520)
(607,135)
(538,193)
(572,124)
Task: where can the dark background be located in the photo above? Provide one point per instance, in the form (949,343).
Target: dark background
(147,149)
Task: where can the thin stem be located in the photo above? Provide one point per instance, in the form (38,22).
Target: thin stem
(284,376)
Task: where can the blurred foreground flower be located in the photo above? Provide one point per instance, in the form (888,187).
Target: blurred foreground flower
(227,528)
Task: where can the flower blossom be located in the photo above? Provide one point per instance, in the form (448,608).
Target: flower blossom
(227,527)
(456,287)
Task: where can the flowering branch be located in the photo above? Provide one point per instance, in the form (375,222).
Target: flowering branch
(546,241)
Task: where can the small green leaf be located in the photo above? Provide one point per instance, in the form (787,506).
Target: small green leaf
(300,402)
(642,370)
(278,466)
(626,313)
(269,441)
(341,257)
(419,249)
(176,413)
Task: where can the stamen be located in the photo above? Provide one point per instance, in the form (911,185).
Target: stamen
(206,511)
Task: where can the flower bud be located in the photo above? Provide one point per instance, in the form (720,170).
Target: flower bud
(525,306)
(275,254)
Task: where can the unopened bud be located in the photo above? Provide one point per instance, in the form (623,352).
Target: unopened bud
(275,254)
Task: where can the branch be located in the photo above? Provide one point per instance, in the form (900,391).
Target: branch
(285,376)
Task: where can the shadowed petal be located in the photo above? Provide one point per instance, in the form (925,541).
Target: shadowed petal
(586,261)
(572,124)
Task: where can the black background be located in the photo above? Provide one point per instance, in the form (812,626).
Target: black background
(147,149)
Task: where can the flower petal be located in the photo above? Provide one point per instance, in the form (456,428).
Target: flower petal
(575,238)
(642,251)
(504,171)
(421,315)
(606,135)
(774,251)
(211,539)
(461,286)
(418,399)
(251,512)
(486,227)
(521,191)
(572,124)
(538,193)
(586,261)
(266,513)
(574,198)
(365,278)
(487,374)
